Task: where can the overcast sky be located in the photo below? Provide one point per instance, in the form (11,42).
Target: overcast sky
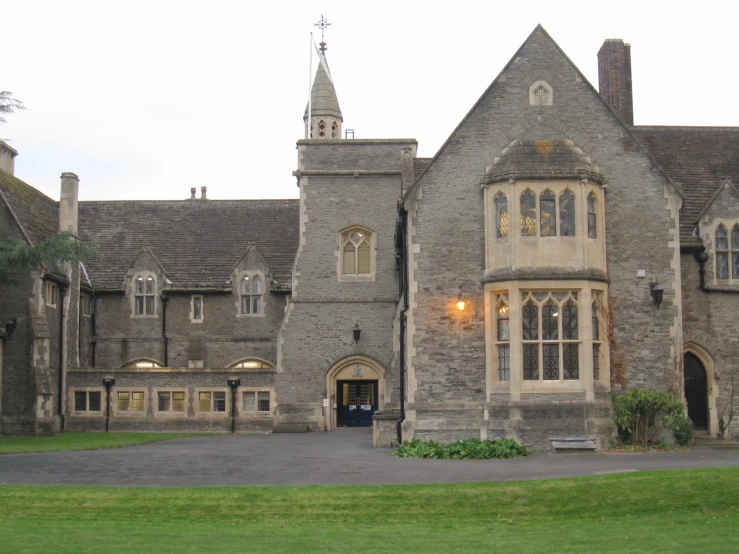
(145,99)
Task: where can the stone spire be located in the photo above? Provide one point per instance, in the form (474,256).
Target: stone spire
(325,116)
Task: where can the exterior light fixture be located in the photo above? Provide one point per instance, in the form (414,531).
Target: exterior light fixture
(10,326)
(233,382)
(460,301)
(108,382)
(657,292)
(356,333)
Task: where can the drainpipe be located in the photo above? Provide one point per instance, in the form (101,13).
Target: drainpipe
(62,356)
(402,256)
(108,382)
(165,299)
(702,257)
(93,330)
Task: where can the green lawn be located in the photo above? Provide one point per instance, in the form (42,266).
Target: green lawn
(80,441)
(672,511)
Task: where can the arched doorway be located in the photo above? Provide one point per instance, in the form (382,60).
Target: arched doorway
(355,387)
(696,391)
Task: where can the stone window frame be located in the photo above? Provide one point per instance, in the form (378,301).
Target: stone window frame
(51,294)
(85,305)
(560,341)
(143,277)
(598,333)
(87,412)
(212,412)
(343,238)
(115,410)
(592,216)
(502,216)
(193,300)
(730,250)
(142,363)
(251,294)
(170,413)
(251,363)
(256,413)
(534,98)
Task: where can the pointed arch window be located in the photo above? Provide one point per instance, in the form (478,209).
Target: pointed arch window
(501,216)
(722,252)
(503,345)
(356,252)
(567,214)
(596,340)
(592,233)
(251,294)
(547,214)
(530,319)
(528,214)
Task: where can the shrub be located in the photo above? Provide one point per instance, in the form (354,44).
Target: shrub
(469,449)
(682,429)
(640,414)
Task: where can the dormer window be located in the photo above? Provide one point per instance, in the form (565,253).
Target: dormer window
(251,295)
(144,294)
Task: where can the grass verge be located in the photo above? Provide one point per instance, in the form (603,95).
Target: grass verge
(80,441)
(670,511)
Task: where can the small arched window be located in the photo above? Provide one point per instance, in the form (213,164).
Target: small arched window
(251,294)
(528,214)
(143,363)
(547,215)
(252,363)
(592,221)
(567,214)
(144,295)
(501,216)
(356,252)
(722,253)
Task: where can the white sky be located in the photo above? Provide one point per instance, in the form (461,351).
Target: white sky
(145,99)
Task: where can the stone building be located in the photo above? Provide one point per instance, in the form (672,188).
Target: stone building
(549,252)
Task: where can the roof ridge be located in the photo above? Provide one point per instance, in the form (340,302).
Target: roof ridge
(682,128)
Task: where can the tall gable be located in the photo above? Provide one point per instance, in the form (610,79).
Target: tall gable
(36,214)
(198,242)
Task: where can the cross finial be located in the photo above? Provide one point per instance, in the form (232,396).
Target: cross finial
(322,24)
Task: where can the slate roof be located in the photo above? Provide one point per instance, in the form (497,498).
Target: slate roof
(37,214)
(542,159)
(197,242)
(697,159)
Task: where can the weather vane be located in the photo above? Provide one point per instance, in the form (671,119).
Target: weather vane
(322,24)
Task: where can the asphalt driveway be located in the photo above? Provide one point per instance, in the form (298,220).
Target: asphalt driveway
(342,457)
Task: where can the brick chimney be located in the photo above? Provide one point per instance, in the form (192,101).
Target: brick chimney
(7,157)
(614,78)
(203,192)
(192,193)
(68,203)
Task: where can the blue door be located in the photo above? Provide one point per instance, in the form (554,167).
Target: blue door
(357,403)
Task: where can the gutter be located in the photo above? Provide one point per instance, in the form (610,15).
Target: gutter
(165,299)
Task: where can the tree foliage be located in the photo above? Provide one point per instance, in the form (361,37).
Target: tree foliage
(9,105)
(18,256)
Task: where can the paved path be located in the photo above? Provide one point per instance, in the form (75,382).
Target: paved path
(342,457)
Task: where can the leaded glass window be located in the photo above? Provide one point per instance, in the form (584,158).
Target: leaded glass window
(567,214)
(722,254)
(551,362)
(596,362)
(144,295)
(550,322)
(356,252)
(530,318)
(547,214)
(569,321)
(592,232)
(531,362)
(570,361)
(595,322)
(528,214)
(251,294)
(504,362)
(504,348)
(501,216)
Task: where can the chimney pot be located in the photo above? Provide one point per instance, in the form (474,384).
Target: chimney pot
(7,157)
(203,190)
(192,193)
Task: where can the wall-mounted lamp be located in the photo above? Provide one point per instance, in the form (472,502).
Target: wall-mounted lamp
(10,326)
(356,333)
(460,301)
(657,292)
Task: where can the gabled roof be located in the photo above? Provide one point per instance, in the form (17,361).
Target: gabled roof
(197,241)
(697,159)
(36,214)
